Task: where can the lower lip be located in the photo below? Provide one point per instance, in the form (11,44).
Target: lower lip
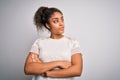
(61,28)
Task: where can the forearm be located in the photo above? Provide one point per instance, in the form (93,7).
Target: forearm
(69,72)
(39,68)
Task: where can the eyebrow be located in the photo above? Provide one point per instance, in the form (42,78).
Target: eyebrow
(57,18)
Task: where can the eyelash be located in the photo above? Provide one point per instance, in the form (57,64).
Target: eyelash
(55,21)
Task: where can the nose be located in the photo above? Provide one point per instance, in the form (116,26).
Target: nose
(61,23)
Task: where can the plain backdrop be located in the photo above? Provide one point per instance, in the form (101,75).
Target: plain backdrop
(94,23)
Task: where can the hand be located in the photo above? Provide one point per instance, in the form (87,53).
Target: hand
(65,64)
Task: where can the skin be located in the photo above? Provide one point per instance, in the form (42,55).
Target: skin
(56,25)
(34,65)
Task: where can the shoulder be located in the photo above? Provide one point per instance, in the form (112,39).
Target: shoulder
(71,39)
(38,40)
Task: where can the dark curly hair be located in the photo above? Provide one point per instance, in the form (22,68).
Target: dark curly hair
(42,16)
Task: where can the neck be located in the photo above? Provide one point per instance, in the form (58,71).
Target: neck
(56,36)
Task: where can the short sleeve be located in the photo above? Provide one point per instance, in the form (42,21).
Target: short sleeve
(75,47)
(35,47)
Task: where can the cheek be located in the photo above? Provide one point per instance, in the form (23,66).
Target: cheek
(55,27)
(55,30)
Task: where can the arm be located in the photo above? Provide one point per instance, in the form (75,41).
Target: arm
(74,70)
(34,65)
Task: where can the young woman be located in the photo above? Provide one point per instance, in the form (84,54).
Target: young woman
(57,57)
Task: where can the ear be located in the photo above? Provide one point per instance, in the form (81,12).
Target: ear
(47,25)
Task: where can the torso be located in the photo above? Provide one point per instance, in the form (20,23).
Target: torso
(52,50)
(55,49)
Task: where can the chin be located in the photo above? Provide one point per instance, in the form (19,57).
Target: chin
(62,33)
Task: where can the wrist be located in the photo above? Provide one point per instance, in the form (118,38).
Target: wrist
(44,74)
(58,63)
(47,73)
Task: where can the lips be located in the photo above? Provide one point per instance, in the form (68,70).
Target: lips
(62,28)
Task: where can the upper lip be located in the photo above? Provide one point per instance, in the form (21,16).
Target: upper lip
(62,28)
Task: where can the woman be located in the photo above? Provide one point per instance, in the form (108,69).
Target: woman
(57,57)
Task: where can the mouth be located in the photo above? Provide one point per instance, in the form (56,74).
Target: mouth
(62,28)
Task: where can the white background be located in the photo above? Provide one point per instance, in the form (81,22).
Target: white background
(94,23)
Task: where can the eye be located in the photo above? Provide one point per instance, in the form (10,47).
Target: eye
(55,21)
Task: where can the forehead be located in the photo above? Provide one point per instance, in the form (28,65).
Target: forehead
(56,15)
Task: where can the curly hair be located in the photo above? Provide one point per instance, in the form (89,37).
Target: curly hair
(42,16)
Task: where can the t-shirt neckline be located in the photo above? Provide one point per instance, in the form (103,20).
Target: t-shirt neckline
(57,39)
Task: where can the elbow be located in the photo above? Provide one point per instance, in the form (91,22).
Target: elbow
(26,73)
(26,70)
(78,72)
(31,70)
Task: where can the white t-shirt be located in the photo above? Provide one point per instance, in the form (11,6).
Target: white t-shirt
(50,49)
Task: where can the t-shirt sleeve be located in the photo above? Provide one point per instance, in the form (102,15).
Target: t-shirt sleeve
(75,47)
(35,47)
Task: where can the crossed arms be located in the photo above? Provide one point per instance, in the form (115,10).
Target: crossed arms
(34,66)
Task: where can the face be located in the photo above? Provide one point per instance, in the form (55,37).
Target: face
(56,24)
